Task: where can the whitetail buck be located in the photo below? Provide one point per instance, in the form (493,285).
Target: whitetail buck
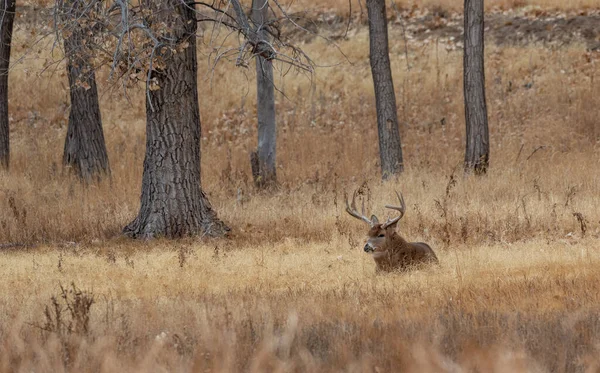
(389,250)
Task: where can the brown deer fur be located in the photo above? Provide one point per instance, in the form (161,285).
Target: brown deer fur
(392,252)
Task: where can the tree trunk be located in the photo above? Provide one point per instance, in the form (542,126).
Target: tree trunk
(172,201)
(7,18)
(390,149)
(265,175)
(85,149)
(478,144)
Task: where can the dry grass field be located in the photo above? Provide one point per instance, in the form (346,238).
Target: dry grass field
(517,289)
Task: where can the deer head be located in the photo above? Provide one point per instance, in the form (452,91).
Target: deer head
(380,234)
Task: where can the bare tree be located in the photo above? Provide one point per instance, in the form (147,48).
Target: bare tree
(478,144)
(390,149)
(85,149)
(264,159)
(173,203)
(154,41)
(7,16)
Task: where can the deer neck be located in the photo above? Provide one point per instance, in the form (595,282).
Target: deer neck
(398,243)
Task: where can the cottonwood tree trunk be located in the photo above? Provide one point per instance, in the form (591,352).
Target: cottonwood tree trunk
(7,17)
(85,149)
(478,144)
(390,149)
(172,202)
(264,159)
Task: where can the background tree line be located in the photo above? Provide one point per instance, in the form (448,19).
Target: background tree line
(154,41)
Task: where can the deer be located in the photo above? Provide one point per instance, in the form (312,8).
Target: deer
(390,250)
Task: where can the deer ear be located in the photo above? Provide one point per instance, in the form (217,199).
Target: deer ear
(374,219)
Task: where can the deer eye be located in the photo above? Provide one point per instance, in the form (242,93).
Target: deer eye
(381,235)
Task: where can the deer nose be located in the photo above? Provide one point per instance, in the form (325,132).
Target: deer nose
(368,248)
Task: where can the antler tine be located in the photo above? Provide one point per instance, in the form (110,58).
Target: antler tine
(401,208)
(353,205)
(351,209)
(362,207)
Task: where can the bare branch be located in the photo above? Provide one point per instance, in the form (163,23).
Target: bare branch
(133,45)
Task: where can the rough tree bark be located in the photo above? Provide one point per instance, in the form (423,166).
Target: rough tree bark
(85,149)
(478,145)
(390,149)
(172,201)
(7,17)
(264,159)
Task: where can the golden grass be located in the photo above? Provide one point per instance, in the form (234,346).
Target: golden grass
(302,305)
(291,290)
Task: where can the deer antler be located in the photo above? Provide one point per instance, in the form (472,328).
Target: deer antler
(401,208)
(351,209)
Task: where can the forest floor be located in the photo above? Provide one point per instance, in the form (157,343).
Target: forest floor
(521,26)
(518,286)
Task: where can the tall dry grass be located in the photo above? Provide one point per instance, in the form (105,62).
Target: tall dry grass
(543,139)
(304,306)
(517,288)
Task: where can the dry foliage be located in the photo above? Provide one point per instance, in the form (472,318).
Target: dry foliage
(342,6)
(448,4)
(517,288)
